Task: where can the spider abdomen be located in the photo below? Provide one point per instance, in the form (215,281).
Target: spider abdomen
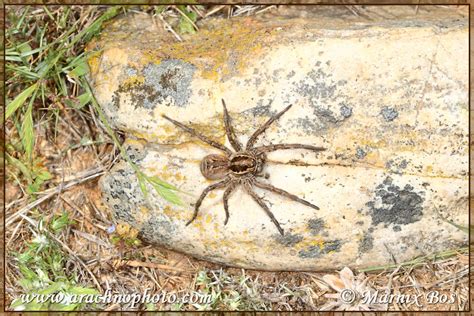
(215,167)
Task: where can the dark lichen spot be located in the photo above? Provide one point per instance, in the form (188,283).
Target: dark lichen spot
(367,243)
(289,240)
(135,153)
(168,82)
(345,111)
(360,153)
(389,114)
(387,181)
(396,167)
(327,100)
(316,226)
(316,251)
(393,205)
(276,74)
(403,164)
(124,194)
(261,109)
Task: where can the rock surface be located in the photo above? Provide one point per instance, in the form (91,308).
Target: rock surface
(385,92)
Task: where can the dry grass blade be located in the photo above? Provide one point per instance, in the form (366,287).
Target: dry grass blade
(88,175)
(169,28)
(152,265)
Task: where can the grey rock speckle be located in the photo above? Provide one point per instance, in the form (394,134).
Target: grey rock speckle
(396,165)
(360,153)
(389,114)
(326,98)
(171,78)
(367,243)
(289,240)
(316,251)
(316,226)
(346,111)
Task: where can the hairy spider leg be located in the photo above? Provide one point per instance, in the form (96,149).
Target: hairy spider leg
(229,130)
(227,193)
(262,204)
(262,128)
(269,148)
(196,134)
(214,186)
(284,193)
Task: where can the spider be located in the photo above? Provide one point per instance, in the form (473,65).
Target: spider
(241,167)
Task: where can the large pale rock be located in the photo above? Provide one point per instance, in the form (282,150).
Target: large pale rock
(385,92)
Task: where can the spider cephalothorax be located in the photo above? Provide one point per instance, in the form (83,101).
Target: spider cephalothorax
(241,167)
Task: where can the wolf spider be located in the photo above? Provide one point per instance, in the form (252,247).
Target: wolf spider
(241,167)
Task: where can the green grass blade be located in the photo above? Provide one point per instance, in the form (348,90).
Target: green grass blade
(27,134)
(20,166)
(168,195)
(19,100)
(158,181)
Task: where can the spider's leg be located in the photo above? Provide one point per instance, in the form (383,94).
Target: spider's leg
(230,131)
(284,193)
(265,175)
(262,128)
(260,202)
(203,195)
(196,134)
(227,193)
(269,148)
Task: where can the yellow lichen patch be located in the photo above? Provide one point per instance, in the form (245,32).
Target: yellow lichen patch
(212,195)
(310,241)
(147,57)
(374,158)
(94,62)
(142,215)
(175,214)
(218,244)
(140,135)
(132,81)
(373,143)
(132,141)
(171,135)
(125,230)
(178,176)
(212,49)
(167,175)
